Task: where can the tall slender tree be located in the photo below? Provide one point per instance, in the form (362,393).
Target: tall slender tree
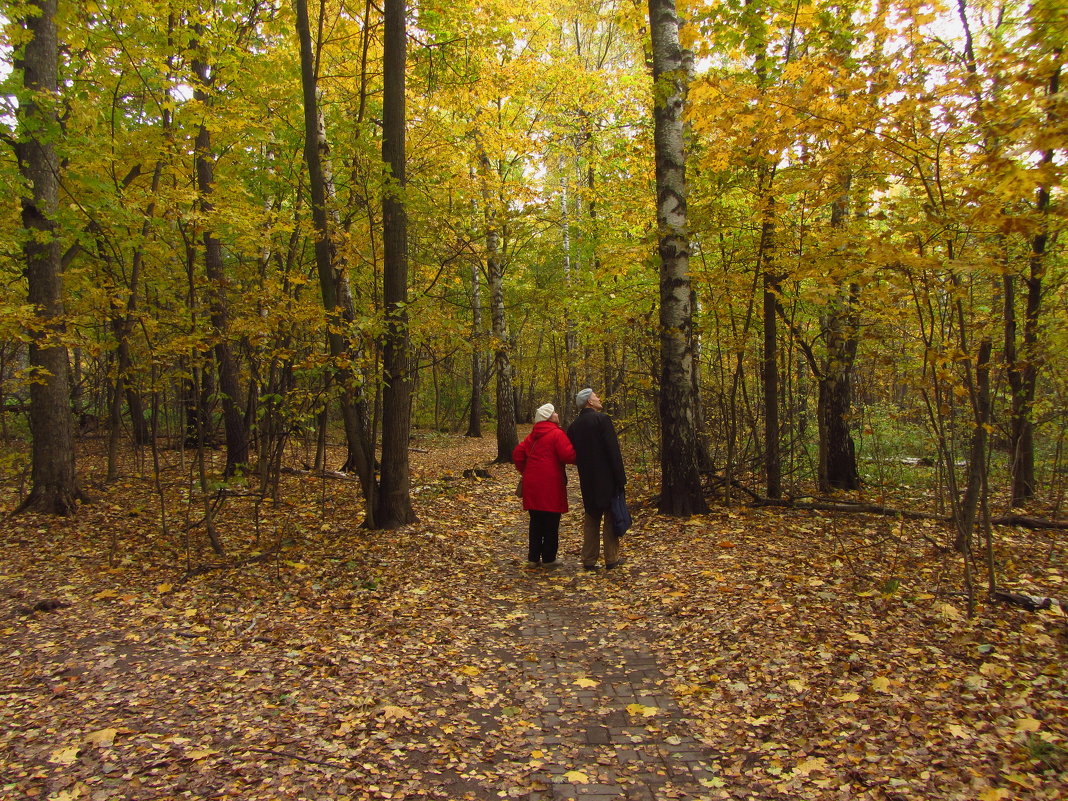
(214,268)
(55,488)
(333,283)
(395,506)
(681,492)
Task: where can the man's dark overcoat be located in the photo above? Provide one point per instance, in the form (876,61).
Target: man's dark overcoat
(600,464)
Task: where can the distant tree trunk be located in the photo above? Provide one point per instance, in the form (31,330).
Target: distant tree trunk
(333,285)
(567,413)
(1023,367)
(681,492)
(395,505)
(474,420)
(837,452)
(770,355)
(54,488)
(219,313)
(507,438)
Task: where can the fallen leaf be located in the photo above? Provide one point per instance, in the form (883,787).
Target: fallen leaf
(65,756)
(102,737)
(577,777)
(584,682)
(810,766)
(641,709)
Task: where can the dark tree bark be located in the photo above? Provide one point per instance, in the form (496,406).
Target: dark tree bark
(215,271)
(54,488)
(395,505)
(1023,367)
(507,438)
(681,492)
(474,420)
(337,300)
(837,467)
(770,355)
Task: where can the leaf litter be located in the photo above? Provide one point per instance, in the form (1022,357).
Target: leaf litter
(824,657)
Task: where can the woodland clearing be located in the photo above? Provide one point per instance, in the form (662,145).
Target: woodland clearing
(787,654)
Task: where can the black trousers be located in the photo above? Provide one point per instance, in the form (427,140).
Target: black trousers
(544,536)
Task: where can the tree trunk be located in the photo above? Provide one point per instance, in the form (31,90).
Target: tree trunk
(337,301)
(474,420)
(219,314)
(507,438)
(395,505)
(837,453)
(54,488)
(770,355)
(1023,371)
(681,492)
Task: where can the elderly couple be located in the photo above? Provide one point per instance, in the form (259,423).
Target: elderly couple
(591,443)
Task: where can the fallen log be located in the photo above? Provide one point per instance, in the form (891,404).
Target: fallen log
(1032,603)
(1026,521)
(851,507)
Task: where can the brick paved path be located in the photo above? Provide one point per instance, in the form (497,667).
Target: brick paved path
(606,725)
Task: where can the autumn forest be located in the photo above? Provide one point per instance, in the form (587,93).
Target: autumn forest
(284,282)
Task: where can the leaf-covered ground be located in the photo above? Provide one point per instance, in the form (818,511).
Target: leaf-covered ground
(742,654)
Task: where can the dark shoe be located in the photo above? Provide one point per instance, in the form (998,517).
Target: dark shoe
(616,563)
(531,565)
(553,563)
(590,567)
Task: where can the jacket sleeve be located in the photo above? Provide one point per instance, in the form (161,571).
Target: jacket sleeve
(565,451)
(519,456)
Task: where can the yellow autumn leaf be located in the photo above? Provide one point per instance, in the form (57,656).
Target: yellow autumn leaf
(391,712)
(103,737)
(164,588)
(994,794)
(479,692)
(80,790)
(105,594)
(810,766)
(577,777)
(959,731)
(1028,724)
(64,756)
(641,709)
(848,698)
(881,684)
(584,682)
(470,670)
(199,753)
(855,636)
(797,685)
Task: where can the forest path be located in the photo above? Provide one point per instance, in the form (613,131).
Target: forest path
(602,720)
(605,724)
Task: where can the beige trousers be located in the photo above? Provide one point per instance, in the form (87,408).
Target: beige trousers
(594,529)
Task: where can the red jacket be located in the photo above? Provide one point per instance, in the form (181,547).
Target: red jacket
(541,458)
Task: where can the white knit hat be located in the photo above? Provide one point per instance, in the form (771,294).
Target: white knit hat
(544,412)
(582,396)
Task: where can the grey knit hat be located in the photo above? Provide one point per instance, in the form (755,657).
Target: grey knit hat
(544,412)
(582,396)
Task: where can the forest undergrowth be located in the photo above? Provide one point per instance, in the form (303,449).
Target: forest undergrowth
(816,655)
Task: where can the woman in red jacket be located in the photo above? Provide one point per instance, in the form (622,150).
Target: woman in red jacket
(541,458)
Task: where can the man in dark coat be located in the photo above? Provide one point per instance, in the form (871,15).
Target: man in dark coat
(601,477)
